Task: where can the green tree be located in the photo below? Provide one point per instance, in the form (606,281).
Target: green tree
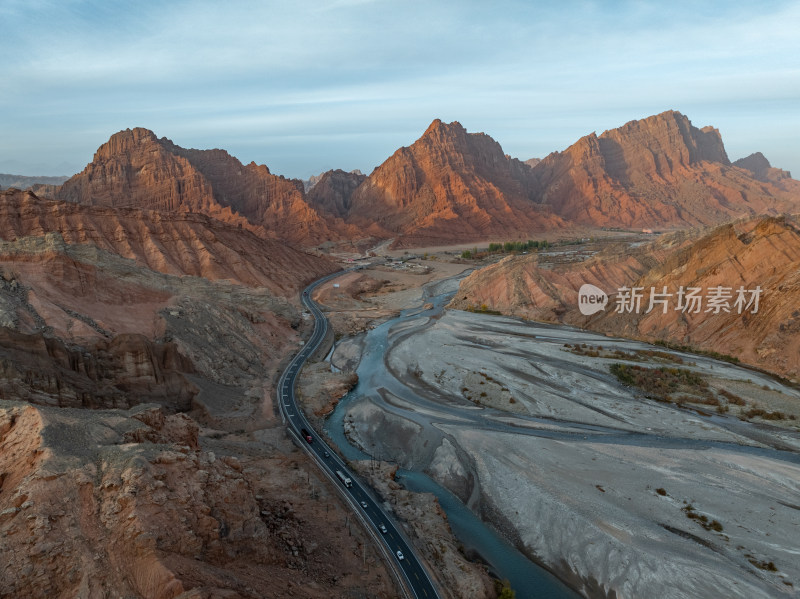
(504,590)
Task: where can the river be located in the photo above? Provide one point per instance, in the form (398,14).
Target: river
(529,580)
(595,415)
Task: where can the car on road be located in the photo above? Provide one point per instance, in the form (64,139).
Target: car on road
(363,504)
(306,435)
(400,555)
(326,454)
(382,528)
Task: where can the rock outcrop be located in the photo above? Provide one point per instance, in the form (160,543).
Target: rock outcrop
(332,192)
(179,243)
(449,186)
(107,307)
(136,169)
(118,373)
(657,172)
(762,170)
(126,503)
(761,253)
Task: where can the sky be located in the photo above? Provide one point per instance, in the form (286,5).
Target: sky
(306,86)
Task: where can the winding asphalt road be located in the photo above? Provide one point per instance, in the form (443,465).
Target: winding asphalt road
(410,566)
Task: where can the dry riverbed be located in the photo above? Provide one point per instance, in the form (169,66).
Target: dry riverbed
(615,492)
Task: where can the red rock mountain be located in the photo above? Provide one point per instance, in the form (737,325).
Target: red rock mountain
(136,169)
(762,170)
(332,192)
(657,172)
(449,186)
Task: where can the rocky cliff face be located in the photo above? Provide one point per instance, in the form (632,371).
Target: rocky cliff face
(179,243)
(136,169)
(761,253)
(273,202)
(332,192)
(118,373)
(449,186)
(658,172)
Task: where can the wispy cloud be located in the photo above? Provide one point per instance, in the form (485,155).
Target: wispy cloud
(251,75)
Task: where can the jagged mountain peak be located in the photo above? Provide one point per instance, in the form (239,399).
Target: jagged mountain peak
(135,168)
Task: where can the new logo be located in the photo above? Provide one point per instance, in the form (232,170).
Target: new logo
(591,299)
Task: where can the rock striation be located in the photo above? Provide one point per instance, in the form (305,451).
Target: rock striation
(118,373)
(449,186)
(332,192)
(136,169)
(658,172)
(105,307)
(178,243)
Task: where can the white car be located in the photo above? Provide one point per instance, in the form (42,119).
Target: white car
(382,528)
(363,504)
(400,555)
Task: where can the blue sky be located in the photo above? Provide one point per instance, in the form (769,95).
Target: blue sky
(308,86)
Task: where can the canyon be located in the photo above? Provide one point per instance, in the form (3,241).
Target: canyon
(149,303)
